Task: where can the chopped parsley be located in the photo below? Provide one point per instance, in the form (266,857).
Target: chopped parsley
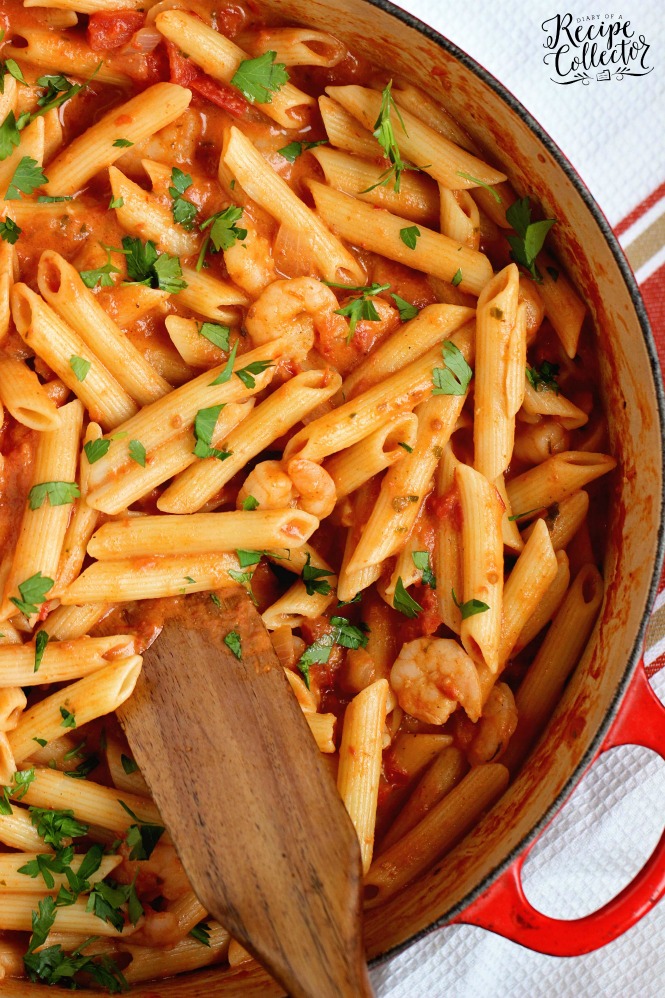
(361,307)
(341,633)
(201,933)
(312,578)
(116,202)
(184,212)
(226,373)
(107,900)
(41,641)
(204,427)
(122,143)
(457,278)
(27,176)
(128,764)
(9,231)
(80,366)
(224,232)
(53,966)
(141,837)
(295,149)
(384,133)
(422,563)
(137,452)
(405,309)
(470,608)
(527,244)
(410,236)
(232,642)
(68,718)
(96,449)
(33,593)
(405,603)
(258,79)
(21,781)
(246,374)
(101,275)
(12,67)
(57,493)
(47,199)
(481,183)
(250,503)
(544,379)
(401,443)
(54,827)
(454,378)
(216,334)
(9,135)
(146,266)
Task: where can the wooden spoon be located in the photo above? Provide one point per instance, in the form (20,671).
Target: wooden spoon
(247,798)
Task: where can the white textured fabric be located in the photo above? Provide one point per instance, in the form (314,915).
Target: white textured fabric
(609,131)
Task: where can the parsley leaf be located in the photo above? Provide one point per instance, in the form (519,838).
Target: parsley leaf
(224,231)
(457,278)
(116,203)
(146,266)
(12,67)
(405,309)
(250,503)
(68,718)
(232,641)
(58,494)
(545,378)
(258,79)
(122,143)
(96,449)
(42,922)
(403,602)
(80,366)
(33,593)
(41,641)
(410,236)
(470,608)
(56,826)
(247,558)
(311,577)
(422,563)
(20,783)
(361,307)
(53,966)
(9,135)
(454,378)
(225,375)
(137,452)
(101,276)
(257,367)
(219,335)
(295,149)
(385,135)
(527,244)
(341,633)
(27,176)
(184,212)
(481,183)
(9,231)
(201,933)
(204,427)
(128,764)
(142,840)
(46,864)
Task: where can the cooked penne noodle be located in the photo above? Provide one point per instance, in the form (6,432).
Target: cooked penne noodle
(322,727)
(7,761)
(18,832)
(297,605)
(499,373)
(91,802)
(220,58)
(512,539)
(43,526)
(558,655)
(555,479)
(448,549)
(9,272)
(61,660)
(81,525)
(440,829)
(548,605)
(13,702)
(268,421)
(85,6)
(24,397)
(267,188)
(562,306)
(58,52)
(345,132)
(99,693)
(417,198)
(16,914)
(200,533)
(351,583)
(149,962)
(444,773)
(294,46)
(57,343)
(151,578)
(482,550)
(211,297)
(360,756)
(195,349)
(128,304)
(459,217)
(31,144)
(380,450)
(430,327)
(15,882)
(134,121)
(124,776)
(141,214)
(379,231)
(421,105)
(413,753)
(533,574)
(564,520)
(69,622)
(426,148)
(545,402)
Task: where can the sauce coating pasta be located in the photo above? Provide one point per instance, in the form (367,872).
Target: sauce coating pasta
(268,318)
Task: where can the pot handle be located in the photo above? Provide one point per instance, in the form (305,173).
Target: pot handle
(504,909)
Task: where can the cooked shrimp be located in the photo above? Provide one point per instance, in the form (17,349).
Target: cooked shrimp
(495,727)
(295,310)
(269,485)
(249,262)
(431,676)
(316,493)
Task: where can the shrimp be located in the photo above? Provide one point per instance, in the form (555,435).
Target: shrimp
(294,310)
(430,676)
(249,262)
(497,724)
(304,485)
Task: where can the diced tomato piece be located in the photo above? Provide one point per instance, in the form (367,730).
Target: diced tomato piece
(112,29)
(222,95)
(231,19)
(183,70)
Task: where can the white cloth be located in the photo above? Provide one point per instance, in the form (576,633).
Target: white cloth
(611,132)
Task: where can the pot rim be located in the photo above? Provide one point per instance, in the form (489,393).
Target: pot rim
(635,655)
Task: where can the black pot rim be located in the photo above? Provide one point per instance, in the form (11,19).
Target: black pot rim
(638,304)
